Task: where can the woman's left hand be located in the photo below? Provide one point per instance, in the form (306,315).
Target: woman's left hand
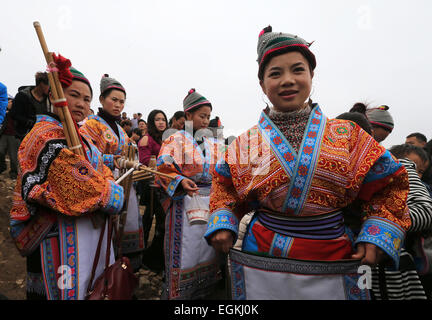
(369,254)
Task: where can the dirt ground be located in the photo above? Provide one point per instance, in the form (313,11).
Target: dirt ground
(13,266)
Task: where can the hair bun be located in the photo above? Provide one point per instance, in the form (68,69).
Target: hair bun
(359,107)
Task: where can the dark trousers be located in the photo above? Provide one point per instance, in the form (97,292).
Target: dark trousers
(153,255)
(9,145)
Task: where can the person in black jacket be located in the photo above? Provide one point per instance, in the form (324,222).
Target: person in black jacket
(9,143)
(29,102)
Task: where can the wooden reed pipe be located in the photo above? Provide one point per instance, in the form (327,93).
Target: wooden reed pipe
(130,164)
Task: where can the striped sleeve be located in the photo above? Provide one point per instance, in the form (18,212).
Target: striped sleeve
(419,201)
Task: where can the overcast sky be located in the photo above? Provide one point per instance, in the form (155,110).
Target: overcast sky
(373,51)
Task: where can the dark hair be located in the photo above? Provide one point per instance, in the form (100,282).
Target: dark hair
(419,136)
(126,123)
(142,120)
(177,115)
(428,147)
(359,107)
(195,109)
(41,77)
(151,127)
(305,53)
(107,92)
(402,150)
(214,123)
(358,118)
(138,132)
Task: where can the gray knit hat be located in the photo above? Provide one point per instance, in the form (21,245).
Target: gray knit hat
(108,83)
(193,100)
(271,44)
(381,117)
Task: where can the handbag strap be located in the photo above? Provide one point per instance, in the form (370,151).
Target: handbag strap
(97,254)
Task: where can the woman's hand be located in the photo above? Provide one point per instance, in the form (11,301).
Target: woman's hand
(222,240)
(189,186)
(369,254)
(116,164)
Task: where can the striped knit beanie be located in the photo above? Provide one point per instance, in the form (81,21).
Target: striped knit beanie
(381,117)
(77,75)
(193,100)
(108,83)
(271,44)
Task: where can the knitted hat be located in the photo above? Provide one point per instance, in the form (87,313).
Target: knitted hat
(193,100)
(215,123)
(77,75)
(108,83)
(271,44)
(380,117)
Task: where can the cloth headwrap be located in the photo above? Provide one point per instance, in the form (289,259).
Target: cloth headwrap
(108,83)
(193,100)
(381,117)
(271,44)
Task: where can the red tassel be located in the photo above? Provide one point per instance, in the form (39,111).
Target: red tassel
(191,91)
(63,64)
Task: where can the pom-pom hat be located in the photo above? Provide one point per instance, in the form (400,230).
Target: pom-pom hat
(108,83)
(381,117)
(194,100)
(271,44)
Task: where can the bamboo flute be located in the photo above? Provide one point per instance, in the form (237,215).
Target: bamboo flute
(61,109)
(69,129)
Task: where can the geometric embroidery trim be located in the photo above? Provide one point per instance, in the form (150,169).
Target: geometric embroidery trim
(306,162)
(238,289)
(278,264)
(385,234)
(46,157)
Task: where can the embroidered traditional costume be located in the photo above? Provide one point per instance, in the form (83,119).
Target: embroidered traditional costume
(296,171)
(56,193)
(110,138)
(191,266)
(108,142)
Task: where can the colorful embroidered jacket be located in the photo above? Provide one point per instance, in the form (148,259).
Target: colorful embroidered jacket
(104,137)
(53,177)
(337,163)
(180,156)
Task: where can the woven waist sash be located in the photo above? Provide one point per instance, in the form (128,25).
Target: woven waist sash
(322,227)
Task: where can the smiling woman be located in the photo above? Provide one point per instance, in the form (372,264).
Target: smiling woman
(308,175)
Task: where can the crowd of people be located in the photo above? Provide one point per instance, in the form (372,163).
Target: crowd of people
(298,202)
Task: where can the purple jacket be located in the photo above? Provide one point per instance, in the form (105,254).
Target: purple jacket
(152,149)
